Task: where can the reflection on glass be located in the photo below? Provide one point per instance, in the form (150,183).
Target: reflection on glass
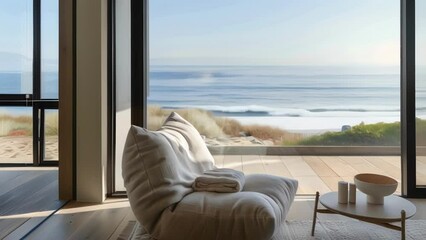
(16,46)
(49,48)
(16,141)
(421,92)
(51,135)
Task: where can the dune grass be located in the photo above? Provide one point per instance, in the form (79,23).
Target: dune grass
(214,127)
(22,125)
(15,125)
(233,128)
(51,124)
(377,134)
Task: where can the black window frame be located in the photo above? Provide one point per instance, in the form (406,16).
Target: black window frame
(408,102)
(139,77)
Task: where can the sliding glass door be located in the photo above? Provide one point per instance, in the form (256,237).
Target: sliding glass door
(413,97)
(128,60)
(412,85)
(122,86)
(420,93)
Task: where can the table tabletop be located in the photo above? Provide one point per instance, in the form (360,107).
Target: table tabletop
(390,211)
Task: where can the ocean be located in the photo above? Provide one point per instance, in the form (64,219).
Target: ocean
(21,83)
(290,97)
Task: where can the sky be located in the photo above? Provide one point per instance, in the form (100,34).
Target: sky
(237,32)
(274,32)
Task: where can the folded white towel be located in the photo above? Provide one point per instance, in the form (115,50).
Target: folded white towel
(220,180)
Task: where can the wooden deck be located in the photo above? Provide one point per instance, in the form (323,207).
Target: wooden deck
(320,173)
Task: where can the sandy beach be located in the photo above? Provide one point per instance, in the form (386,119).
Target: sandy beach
(313,125)
(19,149)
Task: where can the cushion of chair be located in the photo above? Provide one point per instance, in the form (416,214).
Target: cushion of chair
(256,213)
(225,216)
(189,139)
(159,167)
(280,189)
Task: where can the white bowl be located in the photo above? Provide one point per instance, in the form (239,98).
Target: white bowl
(375,186)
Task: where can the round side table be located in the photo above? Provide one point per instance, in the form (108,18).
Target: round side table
(394,209)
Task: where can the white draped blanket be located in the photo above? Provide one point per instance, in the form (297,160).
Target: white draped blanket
(223,180)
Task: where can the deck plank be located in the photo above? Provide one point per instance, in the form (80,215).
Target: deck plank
(311,184)
(252,164)
(319,167)
(393,160)
(361,165)
(309,181)
(218,160)
(340,167)
(273,165)
(298,167)
(233,161)
(420,172)
(389,169)
(331,182)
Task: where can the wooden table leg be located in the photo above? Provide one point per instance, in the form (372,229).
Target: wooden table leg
(315,214)
(402,225)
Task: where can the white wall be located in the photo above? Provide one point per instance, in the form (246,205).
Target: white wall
(91,100)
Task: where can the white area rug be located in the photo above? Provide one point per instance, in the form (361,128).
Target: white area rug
(351,230)
(328,230)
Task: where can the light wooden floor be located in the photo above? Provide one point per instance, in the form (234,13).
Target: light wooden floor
(27,197)
(108,220)
(320,173)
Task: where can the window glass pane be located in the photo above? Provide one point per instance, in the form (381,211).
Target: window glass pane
(421,92)
(281,74)
(16,131)
(16,46)
(295,73)
(49,48)
(123,81)
(51,135)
